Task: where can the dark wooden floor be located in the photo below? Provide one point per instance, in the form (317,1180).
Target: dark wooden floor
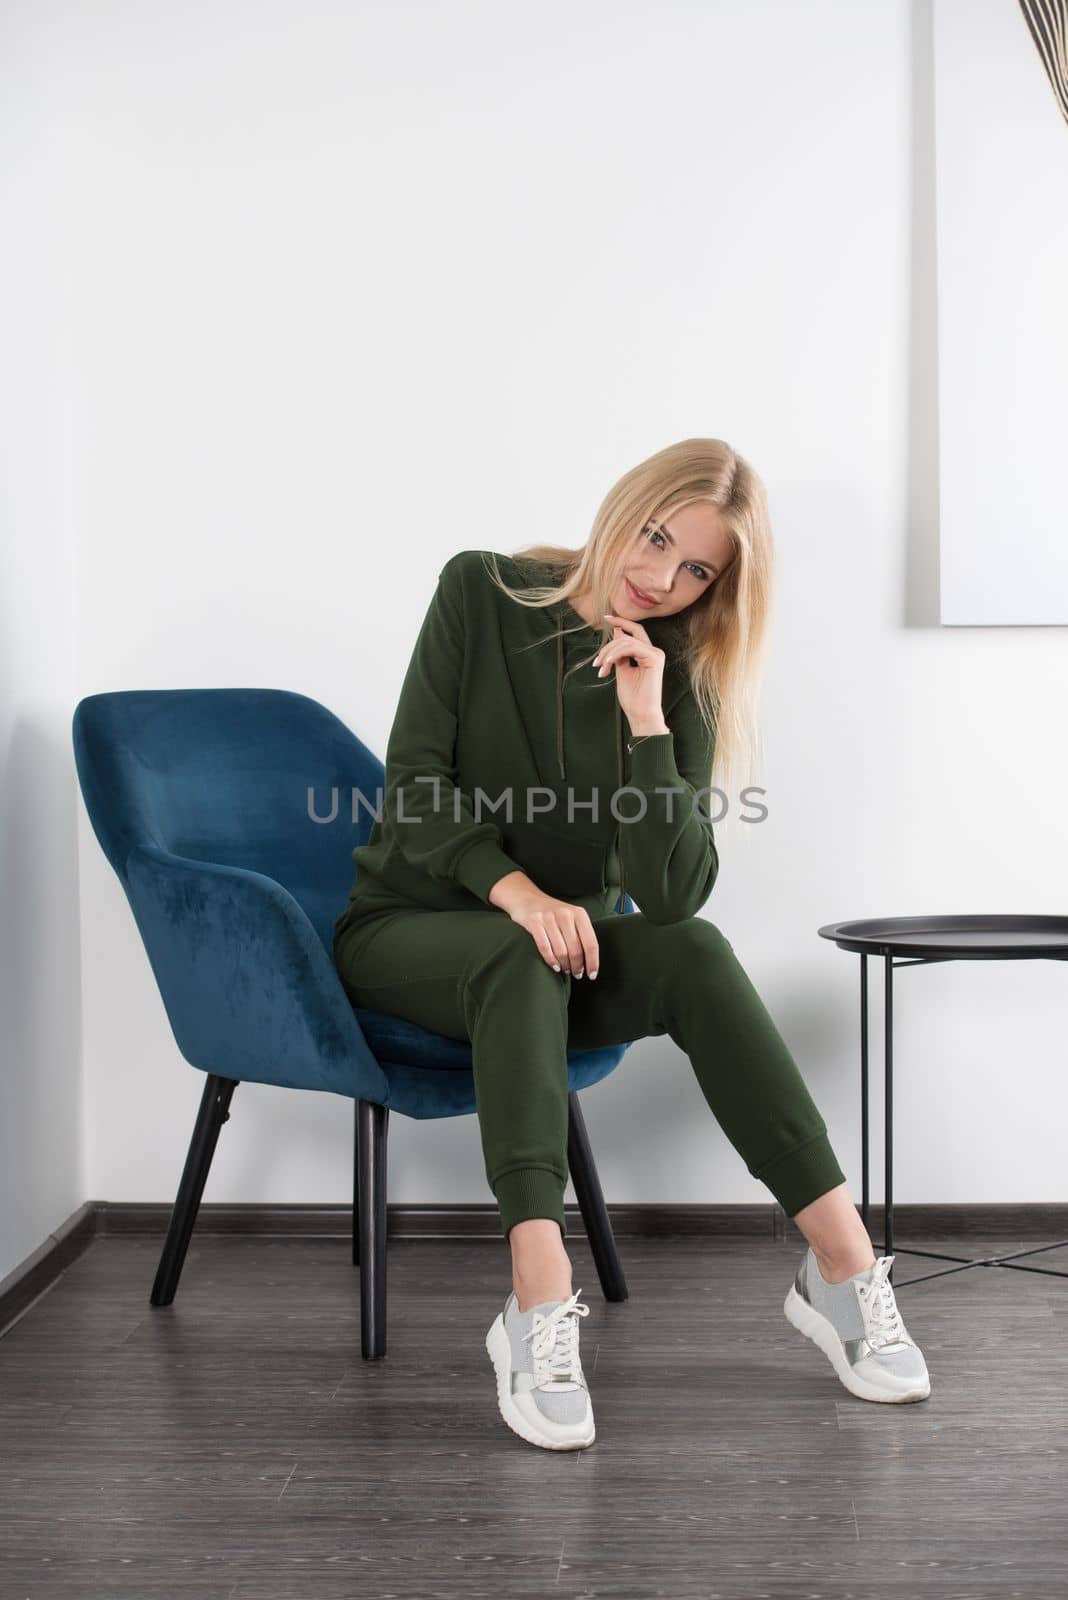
(235,1445)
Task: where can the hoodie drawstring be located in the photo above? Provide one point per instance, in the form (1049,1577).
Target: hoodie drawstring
(560,736)
(619,771)
(560,702)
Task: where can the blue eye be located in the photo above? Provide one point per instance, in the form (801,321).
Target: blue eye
(698,571)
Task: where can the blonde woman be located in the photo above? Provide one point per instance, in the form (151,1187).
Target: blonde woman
(590,698)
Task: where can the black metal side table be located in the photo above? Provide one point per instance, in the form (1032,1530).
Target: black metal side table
(917,941)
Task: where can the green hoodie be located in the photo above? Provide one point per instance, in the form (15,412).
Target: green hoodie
(502,707)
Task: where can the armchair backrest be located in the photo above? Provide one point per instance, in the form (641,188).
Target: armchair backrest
(264,779)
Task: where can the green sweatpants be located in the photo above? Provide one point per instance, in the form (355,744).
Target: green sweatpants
(476,975)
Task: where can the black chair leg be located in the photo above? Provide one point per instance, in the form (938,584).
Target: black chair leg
(355,1183)
(214,1111)
(372,1129)
(591,1203)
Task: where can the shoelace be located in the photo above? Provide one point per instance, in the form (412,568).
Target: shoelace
(555,1342)
(882,1319)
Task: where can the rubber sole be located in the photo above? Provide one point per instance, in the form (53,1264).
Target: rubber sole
(499,1350)
(815,1326)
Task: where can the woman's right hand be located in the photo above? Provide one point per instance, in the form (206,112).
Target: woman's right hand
(562,932)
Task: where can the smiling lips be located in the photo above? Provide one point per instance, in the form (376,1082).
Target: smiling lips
(636,594)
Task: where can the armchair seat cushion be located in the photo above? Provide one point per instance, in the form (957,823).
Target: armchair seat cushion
(430,1089)
(396,1041)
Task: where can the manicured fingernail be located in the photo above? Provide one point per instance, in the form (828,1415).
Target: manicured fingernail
(556,966)
(593,974)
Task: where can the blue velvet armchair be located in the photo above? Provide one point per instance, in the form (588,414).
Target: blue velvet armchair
(228,816)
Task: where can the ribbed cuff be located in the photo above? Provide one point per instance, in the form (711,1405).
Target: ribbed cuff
(653,762)
(802,1175)
(483,865)
(528,1192)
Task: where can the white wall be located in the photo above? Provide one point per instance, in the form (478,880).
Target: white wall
(355,287)
(42,1146)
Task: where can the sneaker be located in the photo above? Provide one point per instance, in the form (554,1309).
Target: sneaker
(541,1390)
(860,1330)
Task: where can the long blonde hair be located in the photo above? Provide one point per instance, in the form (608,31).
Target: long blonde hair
(722,634)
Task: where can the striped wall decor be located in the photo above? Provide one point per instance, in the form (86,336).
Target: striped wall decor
(1048,22)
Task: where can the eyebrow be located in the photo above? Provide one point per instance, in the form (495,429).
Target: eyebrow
(666,531)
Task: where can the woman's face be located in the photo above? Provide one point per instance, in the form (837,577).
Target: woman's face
(675,561)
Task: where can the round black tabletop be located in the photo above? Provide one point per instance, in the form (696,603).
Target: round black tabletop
(1001,937)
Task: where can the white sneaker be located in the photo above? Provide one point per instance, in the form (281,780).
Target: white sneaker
(860,1330)
(541,1390)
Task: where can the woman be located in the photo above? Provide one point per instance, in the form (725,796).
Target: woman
(487,892)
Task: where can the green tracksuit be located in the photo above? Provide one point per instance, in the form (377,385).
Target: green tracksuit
(507,751)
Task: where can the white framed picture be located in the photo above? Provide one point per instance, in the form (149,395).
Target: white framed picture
(1001,197)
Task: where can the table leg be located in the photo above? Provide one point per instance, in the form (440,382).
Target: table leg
(888,1110)
(865,1181)
(888,1080)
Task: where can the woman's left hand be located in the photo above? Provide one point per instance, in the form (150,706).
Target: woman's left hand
(639,670)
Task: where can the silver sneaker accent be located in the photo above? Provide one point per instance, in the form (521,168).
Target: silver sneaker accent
(858,1326)
(542,1392)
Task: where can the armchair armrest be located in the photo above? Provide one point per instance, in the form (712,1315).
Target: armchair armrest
(249,990)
